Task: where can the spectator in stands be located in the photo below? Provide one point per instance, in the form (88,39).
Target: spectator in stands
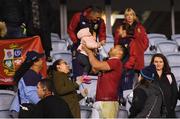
(38,20)
(50,105)
(147,96)
(167,82)
(12,13)
(91,18)
(108,81)
(65,87)
(3,29)
(86,38)
(27,77)
(132,36)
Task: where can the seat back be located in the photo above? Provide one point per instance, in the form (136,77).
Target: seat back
(156,35)
(147,58)
(58,46)
(55,37)
(6,98)
(85,111)
(166,46)
(108,46)
(122,113)
(175,36)
(176,71)
(173,59)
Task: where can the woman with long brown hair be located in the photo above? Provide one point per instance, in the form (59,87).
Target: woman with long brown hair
(167,82)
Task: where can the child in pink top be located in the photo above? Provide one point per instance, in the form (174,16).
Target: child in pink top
(90,41)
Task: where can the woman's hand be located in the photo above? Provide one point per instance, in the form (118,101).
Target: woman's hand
(79,80)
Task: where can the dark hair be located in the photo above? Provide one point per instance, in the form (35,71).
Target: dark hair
(96,9)
(25,66)
(93,9)
(145,82)
(166,68)
(53,67)
(47,84)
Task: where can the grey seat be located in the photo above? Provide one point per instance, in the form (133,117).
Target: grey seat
(85,112)
(55,37)
(58,46)
(6,97)
(173,59)
(147,58)
(175,36)
(166,46)
(176,71)
(156,35)
(108,46)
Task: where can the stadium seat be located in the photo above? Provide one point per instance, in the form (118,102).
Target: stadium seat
(108,46)
(122,113)
(128,95)
(175,36)
(109,38)
(55,37)
(85,111)
(156,35)
(173,59)
(6,97)
(176,71)
(147,58)
(58,46)
(166,46)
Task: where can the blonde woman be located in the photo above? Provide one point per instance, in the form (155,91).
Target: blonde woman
(132,36)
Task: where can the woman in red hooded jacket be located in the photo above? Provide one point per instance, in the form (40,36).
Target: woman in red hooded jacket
(132,35)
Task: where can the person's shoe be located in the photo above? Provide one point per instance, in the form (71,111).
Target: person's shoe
(49,59)
(86,79)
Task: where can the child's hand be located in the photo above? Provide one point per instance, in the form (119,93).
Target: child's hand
(102,42)
(122,32)
(84,92)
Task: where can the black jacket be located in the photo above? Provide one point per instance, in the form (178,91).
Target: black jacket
(146,99)
(170,92)
(52,107)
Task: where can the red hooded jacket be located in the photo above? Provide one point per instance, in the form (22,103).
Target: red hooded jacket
(74,24)
(138,46)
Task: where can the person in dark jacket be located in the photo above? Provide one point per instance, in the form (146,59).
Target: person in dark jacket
(65,87)
(167,82)
(50,106)
(12,13)
(147,96)
(91,18)
(38,20)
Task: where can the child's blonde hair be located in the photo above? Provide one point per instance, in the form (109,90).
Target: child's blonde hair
(3,29)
